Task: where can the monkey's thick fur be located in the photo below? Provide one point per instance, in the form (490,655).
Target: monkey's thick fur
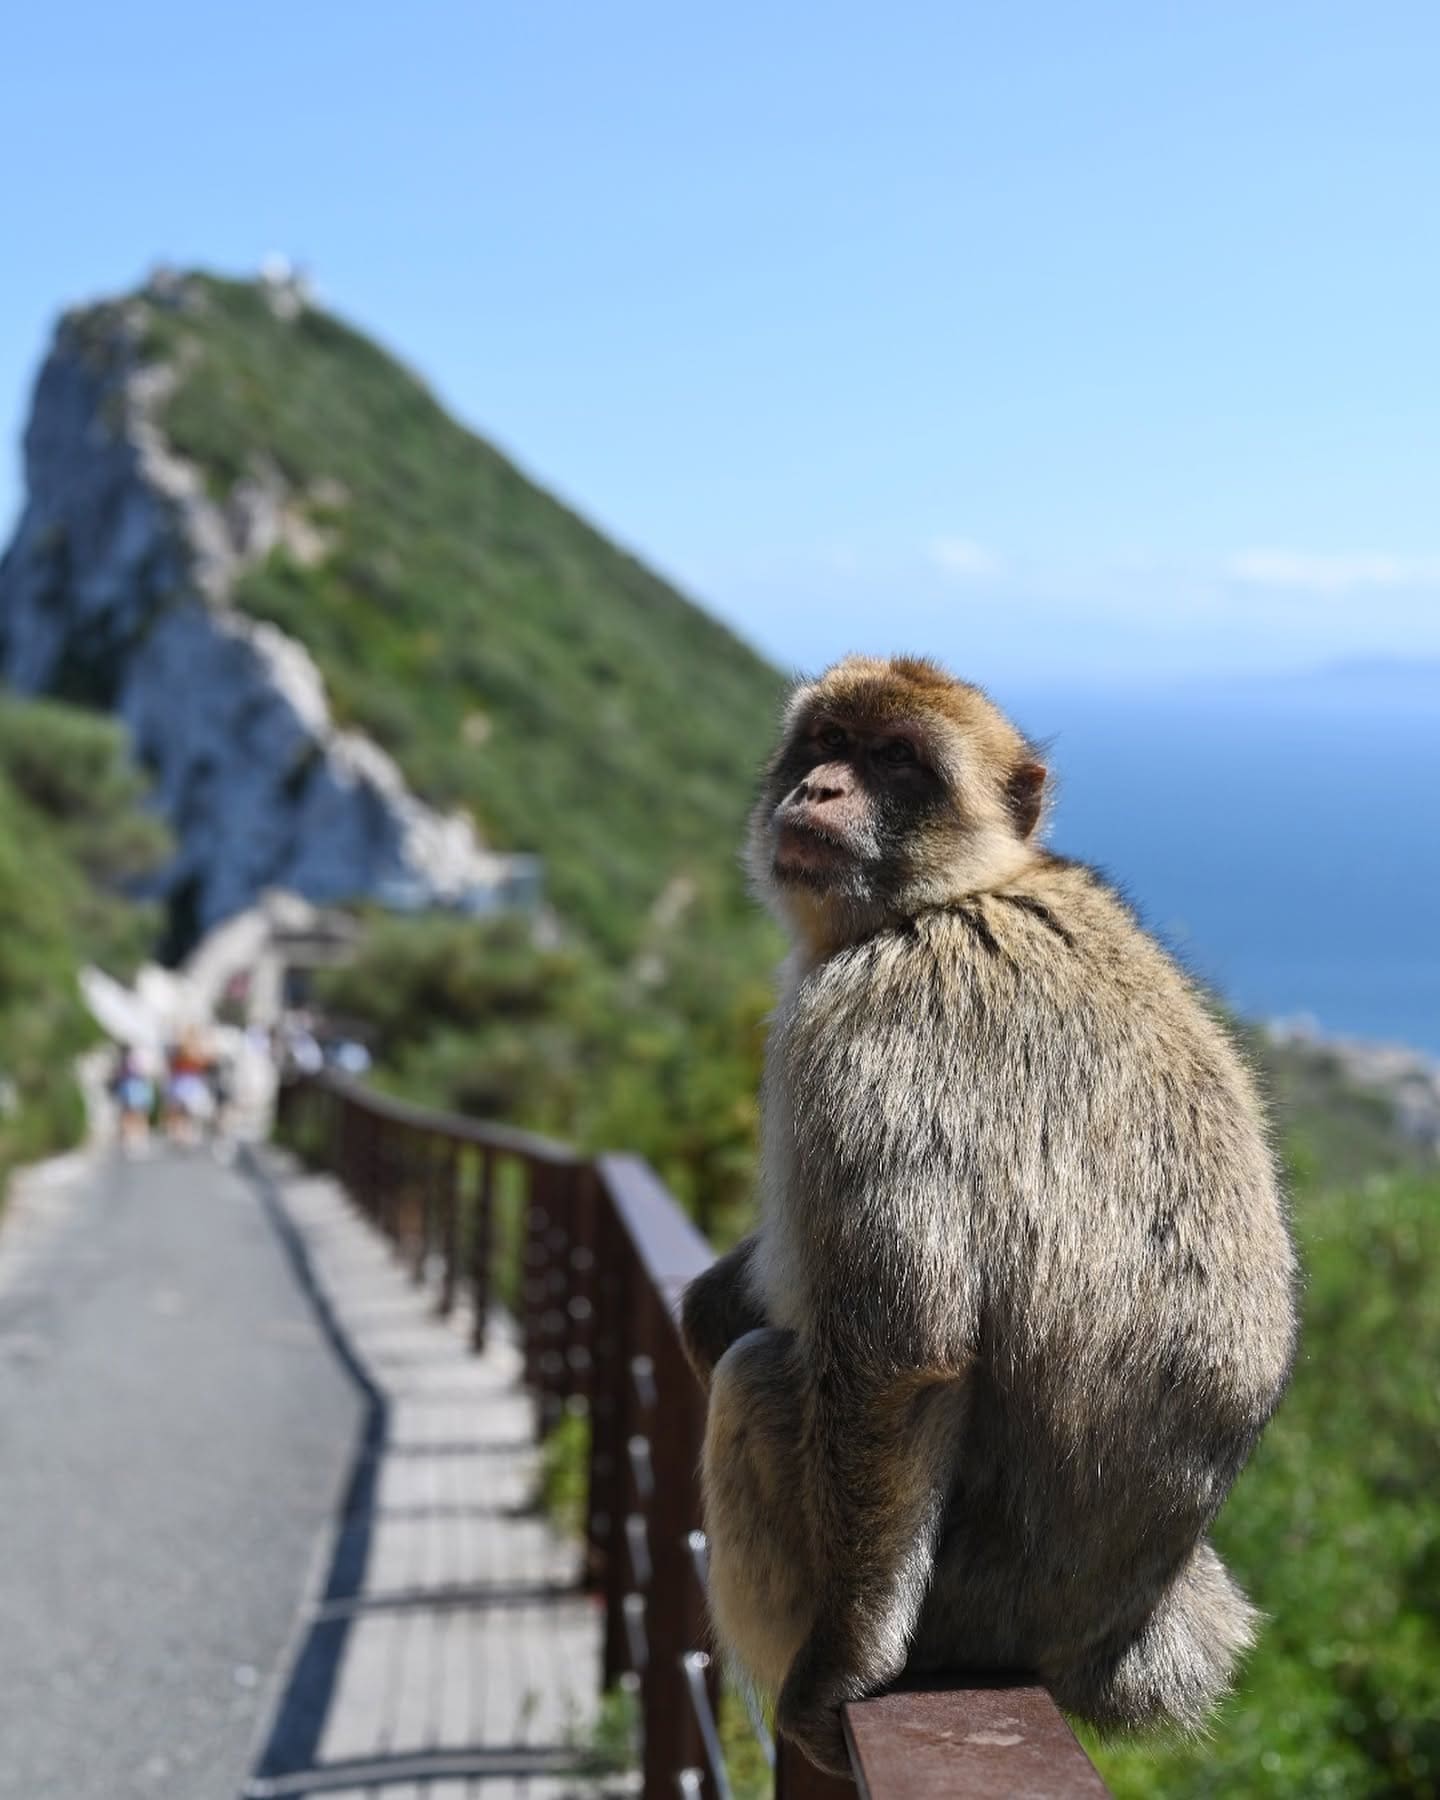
(1022,1295)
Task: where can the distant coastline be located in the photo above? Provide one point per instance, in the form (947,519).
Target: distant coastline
(1271,833)
(1409,1079)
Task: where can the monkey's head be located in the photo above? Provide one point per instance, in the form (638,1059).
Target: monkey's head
(895,789)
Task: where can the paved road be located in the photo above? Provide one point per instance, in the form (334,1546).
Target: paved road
(174,1432)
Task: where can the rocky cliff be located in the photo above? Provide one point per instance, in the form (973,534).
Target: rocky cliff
(117,591)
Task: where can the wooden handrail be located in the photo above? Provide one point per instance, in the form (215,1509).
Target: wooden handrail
(603,1256)
(509,1140)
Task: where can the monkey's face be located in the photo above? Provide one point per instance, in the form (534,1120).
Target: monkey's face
(894,789)
(848,794)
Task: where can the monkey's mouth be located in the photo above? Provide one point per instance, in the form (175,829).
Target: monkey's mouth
(805,852)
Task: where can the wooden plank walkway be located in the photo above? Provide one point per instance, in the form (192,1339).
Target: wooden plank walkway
(449,1652)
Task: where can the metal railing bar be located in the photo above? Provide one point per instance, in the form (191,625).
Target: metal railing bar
(642,1373)
(642,1465)
(696,1665)
(763,1735)
(509,1139)
(637,1539)
(633,1607)
(670,1249)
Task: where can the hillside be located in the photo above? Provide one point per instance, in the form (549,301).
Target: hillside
(329,615)
(511,659)
(338,626)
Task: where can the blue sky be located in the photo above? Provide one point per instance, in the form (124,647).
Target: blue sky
(1066,341)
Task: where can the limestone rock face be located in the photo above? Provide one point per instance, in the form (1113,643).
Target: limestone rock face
(115,592)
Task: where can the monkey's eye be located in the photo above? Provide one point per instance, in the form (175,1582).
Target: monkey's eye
(899,753)
(832,738)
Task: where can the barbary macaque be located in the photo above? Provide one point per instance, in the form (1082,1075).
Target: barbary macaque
(1022,1295)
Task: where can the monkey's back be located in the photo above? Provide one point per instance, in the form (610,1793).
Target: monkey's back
(1042,1160)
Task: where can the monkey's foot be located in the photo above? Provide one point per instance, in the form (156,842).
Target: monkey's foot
(809,1715)
(822,1739)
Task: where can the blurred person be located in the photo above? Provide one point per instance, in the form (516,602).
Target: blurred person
(348,1056)
(220,1078)
(189,1099)
(134,1095)
(302,1050)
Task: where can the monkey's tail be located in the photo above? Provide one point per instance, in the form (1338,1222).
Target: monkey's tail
(1177,1666)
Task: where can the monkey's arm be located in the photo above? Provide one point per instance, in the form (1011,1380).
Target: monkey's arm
(719,1307)
(883,1453)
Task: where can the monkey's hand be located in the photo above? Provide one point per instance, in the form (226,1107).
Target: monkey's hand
(882,1455)
(718,1308)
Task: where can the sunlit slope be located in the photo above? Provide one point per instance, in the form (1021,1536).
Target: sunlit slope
(512,659)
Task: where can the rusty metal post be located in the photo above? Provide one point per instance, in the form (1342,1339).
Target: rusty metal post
(582,1185)
(451,1166)
(603,1377)
(611,1416)
(423,1206)
(404,1161)
(392,1183)
(334,1132)
(482,1236)
(360,1127)
(380,1159)
(555,1298)
(533,1283)
(344,1142)
(674,1613)
(374,1156)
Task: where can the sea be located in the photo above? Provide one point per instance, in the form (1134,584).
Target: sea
(1281,835)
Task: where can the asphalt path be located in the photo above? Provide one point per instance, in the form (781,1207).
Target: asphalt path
(174,1432)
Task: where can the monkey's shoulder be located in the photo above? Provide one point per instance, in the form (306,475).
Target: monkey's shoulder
(1063,927)
(1056,953)
(1058,903)
(1059,920)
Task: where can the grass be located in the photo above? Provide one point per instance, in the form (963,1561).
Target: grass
(476,1017)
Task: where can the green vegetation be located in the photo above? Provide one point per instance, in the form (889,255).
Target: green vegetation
(71,835)
(662,1056)
(1335,1527)
(511,659)
(565,1471)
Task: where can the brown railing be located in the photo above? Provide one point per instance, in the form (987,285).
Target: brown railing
(591,1257)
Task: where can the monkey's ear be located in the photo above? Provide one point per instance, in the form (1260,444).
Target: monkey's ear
(1025,795)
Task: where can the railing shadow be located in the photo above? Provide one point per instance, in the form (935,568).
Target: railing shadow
(293,1740)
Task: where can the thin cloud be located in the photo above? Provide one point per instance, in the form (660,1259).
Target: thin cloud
(963,559)
(1322,574)
(840,559)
